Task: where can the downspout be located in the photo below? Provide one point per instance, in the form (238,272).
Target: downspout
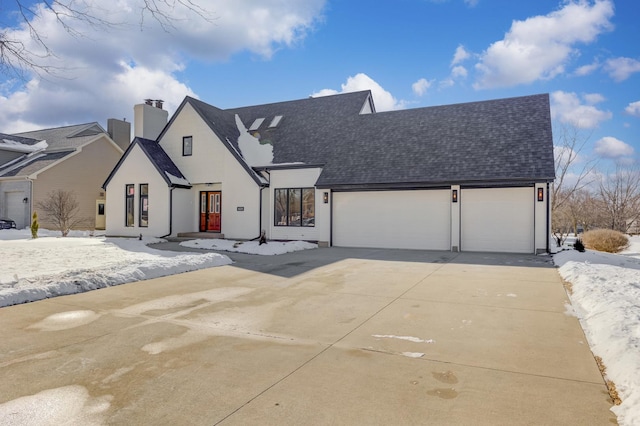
(548,218)
(331,218)
(260,188)
(170,212)
(30,207)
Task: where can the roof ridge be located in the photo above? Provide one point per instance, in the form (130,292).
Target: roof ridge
(57,128)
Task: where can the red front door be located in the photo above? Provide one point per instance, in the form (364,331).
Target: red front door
(210,211)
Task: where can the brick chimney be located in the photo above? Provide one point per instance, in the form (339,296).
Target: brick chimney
(149,119)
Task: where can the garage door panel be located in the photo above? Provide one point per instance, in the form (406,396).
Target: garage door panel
(497,219)
(392,219)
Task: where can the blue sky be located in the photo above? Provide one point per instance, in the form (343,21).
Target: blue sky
(410,53)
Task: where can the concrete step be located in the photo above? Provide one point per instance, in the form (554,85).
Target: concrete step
(202,235)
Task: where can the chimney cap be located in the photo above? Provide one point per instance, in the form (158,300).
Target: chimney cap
(148,101)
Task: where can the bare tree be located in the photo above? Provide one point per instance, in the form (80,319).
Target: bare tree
(620,195)
(16,57)
(573,171)
(61,208)
(573,174)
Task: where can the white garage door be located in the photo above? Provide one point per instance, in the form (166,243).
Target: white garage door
(392,219)
(497,219)
(16,208)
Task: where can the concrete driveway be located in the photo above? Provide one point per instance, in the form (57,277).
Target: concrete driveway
(327,336)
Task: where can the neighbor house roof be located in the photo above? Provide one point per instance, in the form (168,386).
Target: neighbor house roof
(66,137)
(490,142)
(160,160)
(35,164)
(57,144)
(19,139)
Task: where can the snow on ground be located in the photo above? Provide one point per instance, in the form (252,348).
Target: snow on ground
(52,266)
(250,247)
(606,299)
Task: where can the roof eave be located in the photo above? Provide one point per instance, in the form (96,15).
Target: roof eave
(346,186)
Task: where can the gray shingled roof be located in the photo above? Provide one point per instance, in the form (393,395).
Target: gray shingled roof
(20,139)
(61,142)
(38,163)
(67,137)
(496,141)
(158,158)
(499,141)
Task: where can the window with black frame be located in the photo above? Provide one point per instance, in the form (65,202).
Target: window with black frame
(295,207)
(130,191)
(187,146)
(144,205)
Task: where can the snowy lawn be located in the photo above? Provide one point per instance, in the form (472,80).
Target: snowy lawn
(52,266)
(605,294)
(250,247)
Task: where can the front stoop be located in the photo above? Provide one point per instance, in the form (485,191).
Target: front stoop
(202,235)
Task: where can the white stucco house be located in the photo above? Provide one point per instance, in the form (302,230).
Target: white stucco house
(472,177)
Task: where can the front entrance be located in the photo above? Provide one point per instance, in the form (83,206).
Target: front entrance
(210,209)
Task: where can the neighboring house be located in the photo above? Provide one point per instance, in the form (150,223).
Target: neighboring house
(72,158)
(471,177)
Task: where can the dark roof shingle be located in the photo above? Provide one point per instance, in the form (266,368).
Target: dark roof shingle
(496,141)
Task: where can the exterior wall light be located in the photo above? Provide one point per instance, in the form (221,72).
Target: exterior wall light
(25,200)
(454,196)
(325,197)
(540,194)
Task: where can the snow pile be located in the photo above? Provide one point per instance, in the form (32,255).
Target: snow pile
(250,247)
(22,147)
(605,295)
(48,267)
(253,152)
(175,180)
(70,405)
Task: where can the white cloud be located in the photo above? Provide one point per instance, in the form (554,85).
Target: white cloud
(104,72)
(539,47)
(586,69)
(593,98)
(633,109)
(568,108)
(421,86)
(459,72)
(611,147)
(460,55)
(383,100)
(471,3)
(621,68)
(446,83)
